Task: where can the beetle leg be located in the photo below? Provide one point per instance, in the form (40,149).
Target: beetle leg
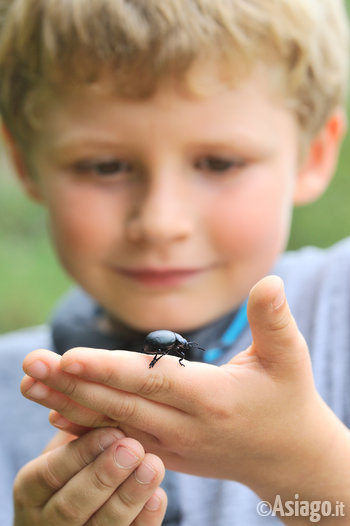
(154,360)
(158,354)
(182,355)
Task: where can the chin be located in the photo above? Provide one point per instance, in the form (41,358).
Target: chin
(167,323)
(149,320)
(153,321)
(175,313)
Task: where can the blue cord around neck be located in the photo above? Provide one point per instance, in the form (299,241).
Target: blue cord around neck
(231,334)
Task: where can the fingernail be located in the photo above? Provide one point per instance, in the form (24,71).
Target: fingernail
(59,421)
(38,369)
(73,368)
(109,437)
(38,391)
(144,474)
(124,458)
(153,503)
(278,300)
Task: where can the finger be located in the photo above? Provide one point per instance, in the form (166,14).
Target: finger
(133,495)
(49,358)
(44,395)
(97,405)
(166,383)
(67,427)
(91,489)
(154,510)
(276,339)
(124,370)
(38,480)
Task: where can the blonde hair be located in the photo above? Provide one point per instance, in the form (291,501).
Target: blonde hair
(46,45)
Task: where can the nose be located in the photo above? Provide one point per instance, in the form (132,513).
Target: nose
(163,214)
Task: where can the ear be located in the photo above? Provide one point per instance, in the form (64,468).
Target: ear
(320,161)
(26,179)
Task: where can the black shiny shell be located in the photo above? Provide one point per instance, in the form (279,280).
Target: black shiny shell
(163,340)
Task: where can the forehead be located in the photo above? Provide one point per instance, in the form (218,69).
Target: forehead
(248,107)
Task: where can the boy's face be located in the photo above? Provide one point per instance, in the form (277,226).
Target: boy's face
(168,210)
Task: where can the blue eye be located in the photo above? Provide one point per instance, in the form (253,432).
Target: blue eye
(218,164)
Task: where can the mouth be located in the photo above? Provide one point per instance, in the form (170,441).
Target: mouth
(161,277)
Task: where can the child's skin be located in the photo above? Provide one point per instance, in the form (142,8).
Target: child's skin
(101,478)
(195,208)
(257,419)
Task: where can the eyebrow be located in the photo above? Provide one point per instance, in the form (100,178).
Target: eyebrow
(81,145)
(76,144)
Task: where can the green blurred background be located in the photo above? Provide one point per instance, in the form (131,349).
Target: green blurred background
(31,279)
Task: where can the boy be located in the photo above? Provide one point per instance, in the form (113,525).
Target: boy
(169,142)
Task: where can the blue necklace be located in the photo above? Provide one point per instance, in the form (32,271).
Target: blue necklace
(231,334)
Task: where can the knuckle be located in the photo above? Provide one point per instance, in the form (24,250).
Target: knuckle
(283,325)
(101,481)
(109,376)
(82,456)
(155,382)
(122,410)
(64,511)
(121,505)
(99,420)
(70,387)
(127,499)
(64,406)
(48,476)
(98,520)
(281,321)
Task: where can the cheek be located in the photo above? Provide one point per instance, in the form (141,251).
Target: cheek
(83,223)
(73,233)
(254,222)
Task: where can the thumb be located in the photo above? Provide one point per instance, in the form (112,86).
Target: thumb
(277,342)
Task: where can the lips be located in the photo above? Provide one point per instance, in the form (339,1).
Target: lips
(160,277)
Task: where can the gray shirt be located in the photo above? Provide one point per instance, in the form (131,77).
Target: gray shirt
(317,284)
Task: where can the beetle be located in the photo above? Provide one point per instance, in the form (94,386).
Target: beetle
(164,342)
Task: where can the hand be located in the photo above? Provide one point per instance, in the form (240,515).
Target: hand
(100,478)
(254,419)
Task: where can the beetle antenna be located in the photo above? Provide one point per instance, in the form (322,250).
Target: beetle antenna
(197,346)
